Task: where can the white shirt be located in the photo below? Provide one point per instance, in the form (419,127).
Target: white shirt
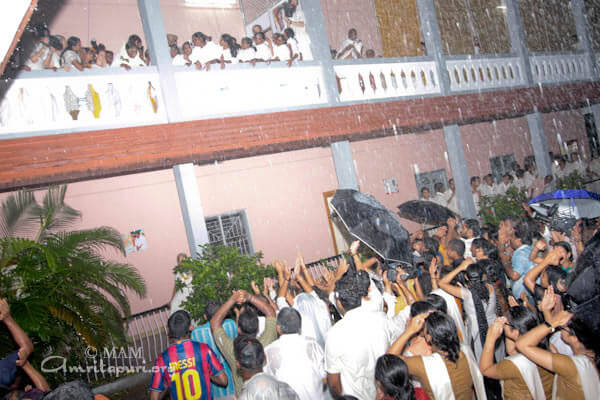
(528,179)
(487,190)
(294,46)
(228,57)
(352,348)
(264,387)
(180,60)
(299,362)
(468,243)
(282,52)
(39,64)
(440,198)
(209,52)
(245,55)
(263,52)
(353,51)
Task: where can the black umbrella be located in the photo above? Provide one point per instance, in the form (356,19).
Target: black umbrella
(373,224)
(425,212)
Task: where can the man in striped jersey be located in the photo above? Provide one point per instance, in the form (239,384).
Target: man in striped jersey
(187,368)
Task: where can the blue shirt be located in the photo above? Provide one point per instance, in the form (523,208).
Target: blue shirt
(203,334)
(521,264)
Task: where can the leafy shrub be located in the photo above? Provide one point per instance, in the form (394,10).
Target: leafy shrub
(217,272)
(493,209)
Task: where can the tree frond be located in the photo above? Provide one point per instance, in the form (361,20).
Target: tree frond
(17,216)
(54,212)
(10,248)
(95,240)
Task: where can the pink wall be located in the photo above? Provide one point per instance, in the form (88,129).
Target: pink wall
(283,198)
(112,21)
(398,157)
(490,139)
(341,15)
(569,124)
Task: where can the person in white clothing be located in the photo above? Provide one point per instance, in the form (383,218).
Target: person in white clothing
(205,51)
(488,187)
(180,296)
(469,231)
(263,52)
(352,47)
(353,344)
(296,359)
(229,51)
(290,37)
(185,57)
(247,52)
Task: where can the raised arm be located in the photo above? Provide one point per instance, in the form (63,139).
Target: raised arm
(445,284)
(18,334)
(552,258)
(527,344)
(540,245)
(37,379)
(257,302)
(414,327)
(217,320)
(486,364)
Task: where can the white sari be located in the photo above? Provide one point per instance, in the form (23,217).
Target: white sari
(531,375)
(588,377)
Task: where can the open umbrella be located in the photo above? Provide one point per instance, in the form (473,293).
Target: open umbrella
(373,224)
(425,212)
(575,203)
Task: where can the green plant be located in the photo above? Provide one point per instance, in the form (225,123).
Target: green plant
(493,209)
(61,289)
(572,181)
(217,272)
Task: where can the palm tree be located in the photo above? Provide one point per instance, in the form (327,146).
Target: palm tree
(57,281)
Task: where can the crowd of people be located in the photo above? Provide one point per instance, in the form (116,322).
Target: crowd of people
(57,52)
(483,312)
(526,180)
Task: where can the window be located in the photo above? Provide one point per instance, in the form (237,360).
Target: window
(429,179)
(501,165)
(230,229)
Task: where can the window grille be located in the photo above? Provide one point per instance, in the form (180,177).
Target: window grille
(230,229)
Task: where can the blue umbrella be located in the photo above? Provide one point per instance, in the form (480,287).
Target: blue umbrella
(577,203)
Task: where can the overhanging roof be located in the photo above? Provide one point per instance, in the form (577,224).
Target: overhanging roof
(13,20)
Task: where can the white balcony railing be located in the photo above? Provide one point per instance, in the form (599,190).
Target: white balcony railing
(492,73)
(358,82)
(244,89)
(560,68)
(68,101)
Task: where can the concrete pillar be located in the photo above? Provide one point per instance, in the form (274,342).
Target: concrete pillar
(583,33)
(156,40)
(539,142)
(344,165)
(460,173)
(320,47)
(516,32)
(191,206)
(433,40)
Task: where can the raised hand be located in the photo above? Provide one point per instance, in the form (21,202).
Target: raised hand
(255,288)
(354,247)
(416,323)
(549,300)
(497,328)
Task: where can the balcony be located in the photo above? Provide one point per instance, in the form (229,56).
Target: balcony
(46,102)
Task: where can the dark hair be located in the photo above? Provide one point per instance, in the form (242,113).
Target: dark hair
(288,9)
(351,288)
(289,320)
(437,302)
(567,248)
(425,188)
(586,335)
(523,232)
(179,324)
(211,308)
(249,42)
(425,282)
(233,46)
(555,274)
(55,42)
(392,374)
(133,39)
(457,246)
(474,179)
(491,230)
(248,322)
(495,275)
(261,34)
(200,35)
(421,307)
(443,334)
(487,247)
(522,319)
(72,41)
(473,225)
(479,292)
(289,32)
(249,353)
(431,244)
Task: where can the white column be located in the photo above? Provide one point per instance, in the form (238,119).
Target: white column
(191,206)
(344,165)
(460,173)
(539,142)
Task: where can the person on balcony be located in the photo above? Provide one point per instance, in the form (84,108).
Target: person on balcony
(351,48)
(132,59)
(282,51)
(247,52)
(229,51)
(185,57)
(205,51)
(290,38)
(40,51)
(263,52)
(488,187)
(70,55)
